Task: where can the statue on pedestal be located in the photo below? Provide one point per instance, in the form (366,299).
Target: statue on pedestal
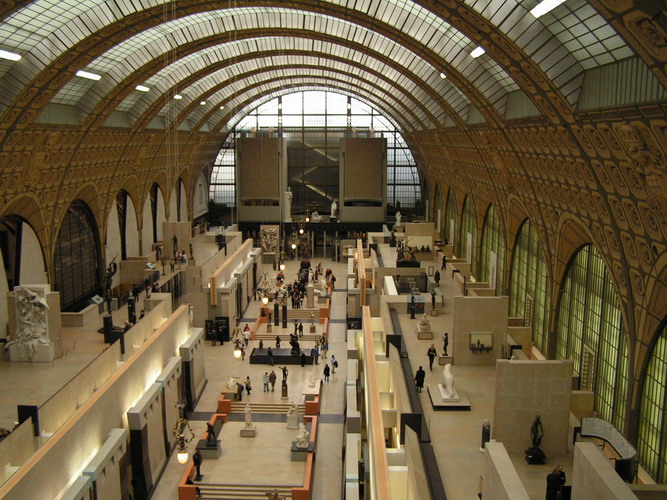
(211,438)
(534,455)
(288,205)
(448,383)
(424,325)
(303,437)
(248,416)
(398,218)
(334,207)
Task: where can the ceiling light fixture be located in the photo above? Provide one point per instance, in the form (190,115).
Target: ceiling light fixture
(222,107)
(142,88)
(11,56)
(89,76)
(545,6)
(477,52)
(178,96)
(203,103)
(443,76)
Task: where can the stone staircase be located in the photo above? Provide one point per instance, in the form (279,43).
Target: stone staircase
(303,315)
(280,408)
(240,491)
(270,339)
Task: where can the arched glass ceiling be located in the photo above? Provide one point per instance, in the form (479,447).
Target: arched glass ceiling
(403,103)
(219,85)
(244,104)
(130,55)
(562,43)
(580,38)
(171,75)
(248,95)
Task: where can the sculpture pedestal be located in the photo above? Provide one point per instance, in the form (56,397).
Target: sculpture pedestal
(450,399)
(44,353)
(535,456)
(445,360)
(293,421)
(313,328)
(434,311)
(301,454)
(268,328)
(209,451)
(249,431)
(310,296)
(423,334)
(284,392)
(440,404)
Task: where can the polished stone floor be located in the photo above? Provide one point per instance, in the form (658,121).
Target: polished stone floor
(456,435)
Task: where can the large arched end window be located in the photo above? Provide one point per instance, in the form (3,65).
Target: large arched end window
(466,247)
(450,218)
(528,285)
(589,333)
(313,123)
(652,439)
(76,260)
(492,258)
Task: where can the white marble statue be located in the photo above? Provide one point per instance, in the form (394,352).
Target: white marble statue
(292,410)
(448,382)
(315,217)
(231,383)
(424,325)
(303,437)
(312,382)
(288,205)
(334,207)
(191,311)
(31,321)
(398,218)
(248,416)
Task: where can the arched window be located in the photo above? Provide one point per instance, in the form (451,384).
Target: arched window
(652,440)
(528,285)
(450,218)
(313,123)
(492,258)
(76,260)
(589,333)
(467,243)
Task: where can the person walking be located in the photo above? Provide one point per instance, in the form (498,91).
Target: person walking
(325,349)
(269,355)
(444,262)
(553,485)
(303,358)
(272,380)
(326,372)
(248,386)
(277,341)
(436,278)
(300,329)
(419,378)
(265,381)
(316,354)
(334,364)
(431,353)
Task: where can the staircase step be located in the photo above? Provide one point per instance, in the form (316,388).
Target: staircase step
(239,407)
(238,491)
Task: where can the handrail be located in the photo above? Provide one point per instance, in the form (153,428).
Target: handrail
(379,477)
(361,270)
